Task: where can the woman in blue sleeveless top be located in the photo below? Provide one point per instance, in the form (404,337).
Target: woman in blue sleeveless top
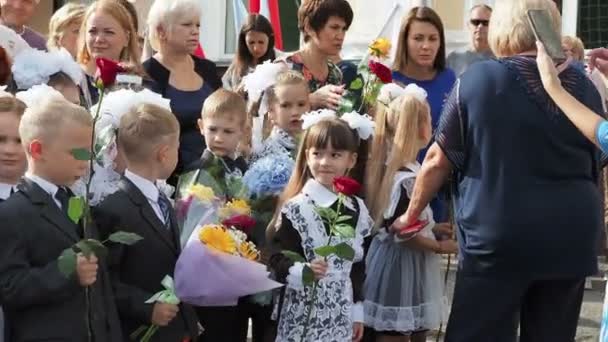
(528,208)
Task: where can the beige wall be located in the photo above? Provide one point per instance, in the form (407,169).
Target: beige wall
(451,13)
(44,11)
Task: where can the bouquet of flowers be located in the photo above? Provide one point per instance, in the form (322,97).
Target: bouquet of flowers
(373,74)
(229,259)
(265,180)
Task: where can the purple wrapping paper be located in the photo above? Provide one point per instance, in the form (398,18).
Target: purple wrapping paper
(205,277)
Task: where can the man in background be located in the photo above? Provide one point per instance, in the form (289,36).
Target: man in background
(479,49)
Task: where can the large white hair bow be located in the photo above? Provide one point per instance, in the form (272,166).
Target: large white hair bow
(38,94)
(32,67)
(12,42)
(363,124)
(391,91)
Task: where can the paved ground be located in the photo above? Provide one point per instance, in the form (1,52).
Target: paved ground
(589,322)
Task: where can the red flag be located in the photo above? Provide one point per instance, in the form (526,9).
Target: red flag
(199,51)
(275,20)
(254,6)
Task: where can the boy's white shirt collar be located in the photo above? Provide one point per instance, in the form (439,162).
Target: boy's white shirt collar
(148,188)
(47,186)
(322,196)
(6,189)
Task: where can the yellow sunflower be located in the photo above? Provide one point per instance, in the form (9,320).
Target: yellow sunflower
(380,48)
(235,207)
(249,251)
(201,192)
(217,238)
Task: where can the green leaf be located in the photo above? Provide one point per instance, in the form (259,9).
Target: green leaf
(84,248)
(343,218)
(168,283)
(76,208)
(346,106)
(326,213)
(325,251)
(356,84)
(124,238)
(308,276)
(67,262)
(344,231)
(91,246)
(295,257)
(81,154)
(344,251)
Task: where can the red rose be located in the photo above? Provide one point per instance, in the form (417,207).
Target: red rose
(107,70)
(346,186)
(381,71)
(244,223)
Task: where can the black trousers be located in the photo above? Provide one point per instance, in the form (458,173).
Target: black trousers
(486,309)
(230,323)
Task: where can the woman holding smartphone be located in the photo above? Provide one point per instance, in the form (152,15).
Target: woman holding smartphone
(526,191)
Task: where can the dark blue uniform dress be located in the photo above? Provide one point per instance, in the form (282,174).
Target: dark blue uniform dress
(528,207)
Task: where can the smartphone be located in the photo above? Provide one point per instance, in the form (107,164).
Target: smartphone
(542,26)
(414,227)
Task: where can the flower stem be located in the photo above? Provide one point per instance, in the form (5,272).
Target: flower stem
(313,294)
(149,333)
(332,223)
(87,212)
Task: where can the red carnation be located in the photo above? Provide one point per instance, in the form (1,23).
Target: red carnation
(381,71)
(107,70)
(346,186)
(244,223)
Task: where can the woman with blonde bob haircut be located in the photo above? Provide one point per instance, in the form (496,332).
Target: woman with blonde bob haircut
(525,180)
(107,31)
(510,33)
(64,28)
(173,29)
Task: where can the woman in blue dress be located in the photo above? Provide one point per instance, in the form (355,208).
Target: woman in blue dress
(420,59)
(594,127)
(528,210)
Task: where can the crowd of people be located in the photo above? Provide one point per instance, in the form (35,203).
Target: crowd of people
(493,153)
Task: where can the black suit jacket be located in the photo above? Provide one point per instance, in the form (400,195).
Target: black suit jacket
(39,302)
(137,271)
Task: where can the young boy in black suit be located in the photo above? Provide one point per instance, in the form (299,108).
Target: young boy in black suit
(148,137)
(39,301)
(223,123)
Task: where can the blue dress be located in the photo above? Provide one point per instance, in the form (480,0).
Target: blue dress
(187,107)
(526,176)
(438,90)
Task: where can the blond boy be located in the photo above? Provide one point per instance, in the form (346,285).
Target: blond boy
(39,301)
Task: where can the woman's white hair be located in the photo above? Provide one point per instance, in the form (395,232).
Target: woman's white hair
(164,14)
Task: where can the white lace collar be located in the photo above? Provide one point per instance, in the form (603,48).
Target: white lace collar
(322,196)
(283,138)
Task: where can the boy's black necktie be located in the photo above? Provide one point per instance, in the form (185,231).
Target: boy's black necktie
(165,209)
(63,195)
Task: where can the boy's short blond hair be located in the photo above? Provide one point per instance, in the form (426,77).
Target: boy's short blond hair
(509,31)
(144,127)
(11,104)
(46,120)
(224,102)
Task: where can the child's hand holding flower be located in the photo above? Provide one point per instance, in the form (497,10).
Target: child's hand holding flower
(319,268)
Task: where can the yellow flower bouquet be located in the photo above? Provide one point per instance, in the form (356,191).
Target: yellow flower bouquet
(218,265)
